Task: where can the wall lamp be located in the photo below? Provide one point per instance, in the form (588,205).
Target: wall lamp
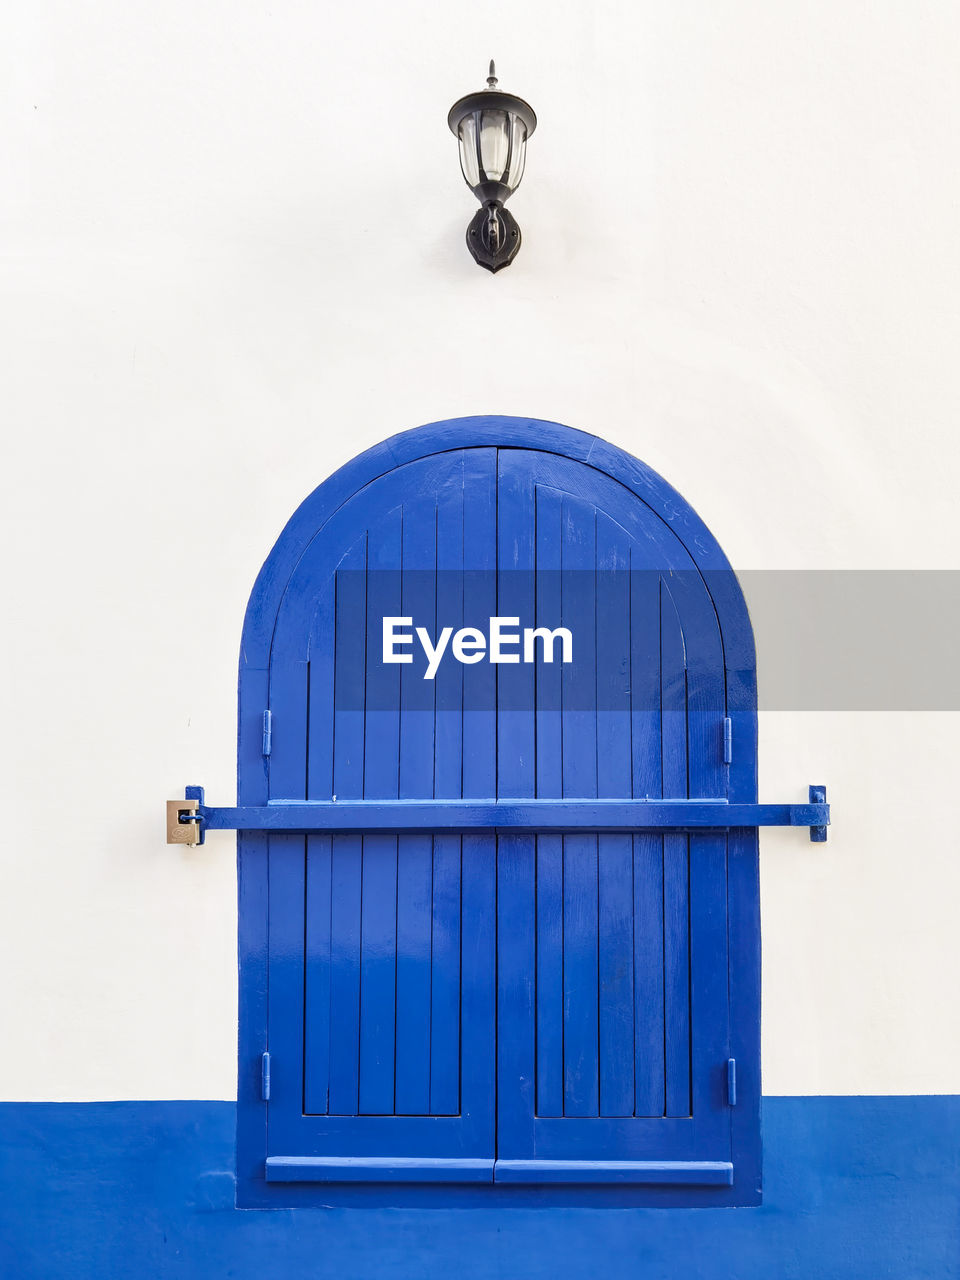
(492,128)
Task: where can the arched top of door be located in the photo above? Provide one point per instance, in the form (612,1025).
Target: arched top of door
(506,433)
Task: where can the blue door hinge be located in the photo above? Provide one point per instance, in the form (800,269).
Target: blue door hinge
(267,732)
(265,1077)
(731,1082)
(727,740)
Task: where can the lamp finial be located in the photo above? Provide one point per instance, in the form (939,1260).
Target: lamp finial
(492,76)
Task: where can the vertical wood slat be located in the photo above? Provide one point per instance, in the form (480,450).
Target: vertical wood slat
(614,852)
(318,924)
(706,708)
(378,961)
(444,1066)
(253,926)
(286,866)
(415,914)
(446,926)
(647,849)
(346,851)
(478,1005)
(580,884)
(516,777)
(676,867)
(317,974)
(549,892)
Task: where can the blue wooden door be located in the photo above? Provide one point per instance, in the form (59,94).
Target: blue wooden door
(382,948)
(613,1020)
(482,1007)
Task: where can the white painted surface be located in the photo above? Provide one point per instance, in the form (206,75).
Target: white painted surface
(231,256)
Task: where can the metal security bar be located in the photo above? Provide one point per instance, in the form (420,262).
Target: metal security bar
(188,820)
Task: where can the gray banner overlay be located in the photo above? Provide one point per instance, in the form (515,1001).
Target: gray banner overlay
(856,640)
(827,640)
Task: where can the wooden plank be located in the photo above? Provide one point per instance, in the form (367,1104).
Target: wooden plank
(709,979)
(479,605)
(615,955)
(446,927)
(253,930)
(613,661)
(580,874)
(414,939)
(478,1012)
(346,859)
(516,776)
(415,915)
(317,972)
(349,674)
(378,975)
(550,1002)
(378,951)
(451,583)
(676,879)
(516,598)
(649,1065)
(345,902)
(549,682)
(321,685)
(648,937)
(615,944)
(445,978)
(286,864)
(549,896)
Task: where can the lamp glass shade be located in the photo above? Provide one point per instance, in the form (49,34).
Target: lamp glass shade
(492,149)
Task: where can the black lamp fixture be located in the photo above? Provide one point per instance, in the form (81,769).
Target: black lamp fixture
(493,128)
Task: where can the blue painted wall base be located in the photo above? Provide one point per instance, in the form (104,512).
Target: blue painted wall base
(853,1187)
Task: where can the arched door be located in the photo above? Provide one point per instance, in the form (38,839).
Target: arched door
(490,1007)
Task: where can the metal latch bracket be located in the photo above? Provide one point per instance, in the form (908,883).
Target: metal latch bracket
(188,820)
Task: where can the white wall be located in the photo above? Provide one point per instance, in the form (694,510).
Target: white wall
(231,256)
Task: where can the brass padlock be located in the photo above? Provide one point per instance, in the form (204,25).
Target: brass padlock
(181,828)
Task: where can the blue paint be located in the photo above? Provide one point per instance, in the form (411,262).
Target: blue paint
(855,1188)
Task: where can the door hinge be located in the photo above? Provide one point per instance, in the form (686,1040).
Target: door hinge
(265,1077)
(267,732)
(727,739)
(731,1082)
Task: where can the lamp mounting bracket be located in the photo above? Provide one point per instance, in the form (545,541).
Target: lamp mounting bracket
(493,237)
